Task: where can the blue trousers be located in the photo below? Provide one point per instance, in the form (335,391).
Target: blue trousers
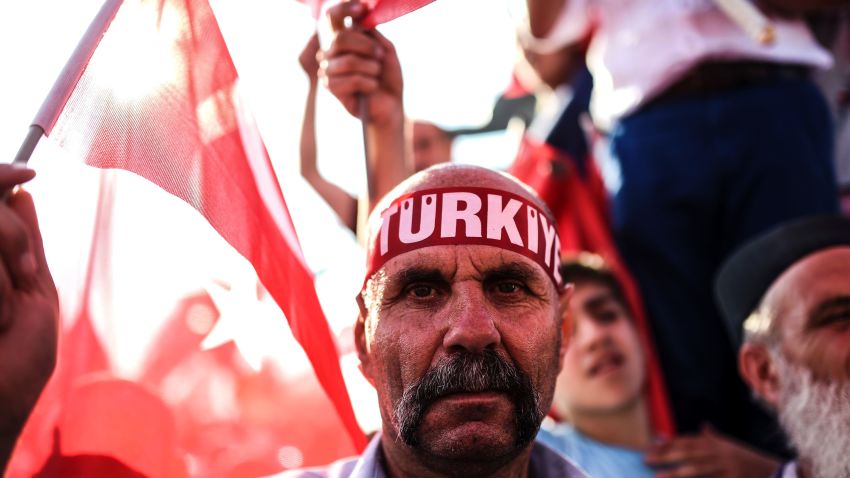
(699,176)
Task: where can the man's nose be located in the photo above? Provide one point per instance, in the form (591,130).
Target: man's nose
(472,324)
(590,335)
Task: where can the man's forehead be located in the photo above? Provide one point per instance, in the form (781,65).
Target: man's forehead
(807,274)
(508,218)
(469,259)
(818,277)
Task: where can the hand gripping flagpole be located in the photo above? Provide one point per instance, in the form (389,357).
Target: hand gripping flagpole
(364,205)
(363,114)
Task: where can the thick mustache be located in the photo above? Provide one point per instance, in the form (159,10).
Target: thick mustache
(468,373)
(465,373)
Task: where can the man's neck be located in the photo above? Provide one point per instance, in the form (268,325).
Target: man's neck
(401,462)
(628,427)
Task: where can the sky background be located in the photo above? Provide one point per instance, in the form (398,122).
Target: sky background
(456,57)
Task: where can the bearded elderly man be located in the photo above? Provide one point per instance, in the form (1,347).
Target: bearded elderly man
(791,290)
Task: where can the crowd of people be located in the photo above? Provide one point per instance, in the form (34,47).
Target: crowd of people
(496,345)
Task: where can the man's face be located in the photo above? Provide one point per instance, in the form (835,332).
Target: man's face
(808,377)
(431,146)
(812,306)
(452,334)
(604,369)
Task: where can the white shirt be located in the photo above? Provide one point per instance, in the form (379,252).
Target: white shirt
(640,47)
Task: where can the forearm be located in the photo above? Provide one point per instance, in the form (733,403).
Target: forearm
(389,154)
(339,200)
(308,134)
(542,15)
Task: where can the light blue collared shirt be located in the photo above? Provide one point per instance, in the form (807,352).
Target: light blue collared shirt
(545,463)
(597,459)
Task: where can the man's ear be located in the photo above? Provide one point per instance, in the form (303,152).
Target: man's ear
(360,340)
(759,371)
(566,321)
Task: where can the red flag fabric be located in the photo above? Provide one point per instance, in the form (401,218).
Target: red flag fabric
(233,420)
(382,11)
(121,420)
(152,89)
(580,205)
(81,355)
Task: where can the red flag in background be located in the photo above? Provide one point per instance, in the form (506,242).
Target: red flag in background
(80,356)
(152,89)
(86,422)
(381,11)
(580,204)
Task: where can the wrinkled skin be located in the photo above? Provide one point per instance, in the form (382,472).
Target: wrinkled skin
(426,305)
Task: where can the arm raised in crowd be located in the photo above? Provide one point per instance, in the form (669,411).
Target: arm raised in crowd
(28,311)
(363,64)
(542,15)
(340,201)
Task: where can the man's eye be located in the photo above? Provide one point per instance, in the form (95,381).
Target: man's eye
(607,316)
(508,287)
(422,291)
(839,317)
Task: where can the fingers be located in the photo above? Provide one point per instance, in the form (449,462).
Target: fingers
(352,66)
(350,9)
(356,42)
(678,450)
(16,249)
(22,204)
(351,85)
(13,175)
(697,469)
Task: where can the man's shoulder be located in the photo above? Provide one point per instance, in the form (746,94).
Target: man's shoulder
(544,461)
(547,462)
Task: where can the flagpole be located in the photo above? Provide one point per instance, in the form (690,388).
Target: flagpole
(73,70)
(31,140)
(363,114)
(65,83)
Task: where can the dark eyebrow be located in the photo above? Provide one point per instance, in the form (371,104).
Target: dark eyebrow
(823,308)
(418,274)
(599,300)
(515,270)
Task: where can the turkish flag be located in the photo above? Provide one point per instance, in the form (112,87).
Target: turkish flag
(80,356)
(152,89)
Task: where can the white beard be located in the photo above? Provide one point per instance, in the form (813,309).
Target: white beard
(816,417)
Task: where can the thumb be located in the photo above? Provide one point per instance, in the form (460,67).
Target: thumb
(22,204)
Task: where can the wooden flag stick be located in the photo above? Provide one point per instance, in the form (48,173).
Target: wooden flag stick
(750,19)
(363,114)
(31,140)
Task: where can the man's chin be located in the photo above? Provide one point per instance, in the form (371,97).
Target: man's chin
(477,426)
(472,441)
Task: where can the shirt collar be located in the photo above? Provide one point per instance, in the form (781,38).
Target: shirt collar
(545,462)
